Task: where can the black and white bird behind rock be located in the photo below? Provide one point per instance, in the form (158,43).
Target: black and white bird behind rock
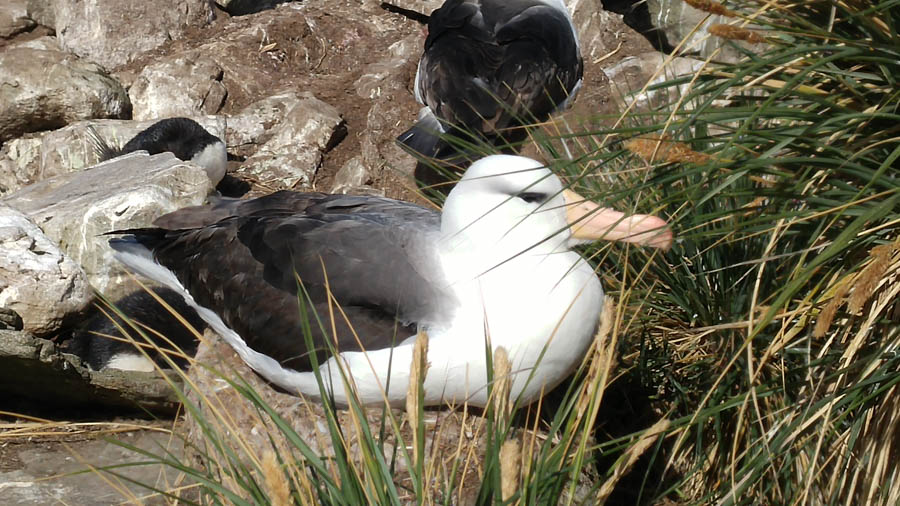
(495,266)
(490,68)
(183,137)
(106,340)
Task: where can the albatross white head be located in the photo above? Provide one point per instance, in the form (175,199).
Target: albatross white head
(512,204)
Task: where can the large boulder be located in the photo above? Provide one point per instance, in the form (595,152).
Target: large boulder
(14,18)
(114,32)
(31,159)
(75,210)
(37,281)
(187,85)
(42,89)
(295,149)
(252,126)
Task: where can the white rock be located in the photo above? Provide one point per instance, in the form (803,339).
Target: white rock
(253,124)
(187,85)
(294,152)
(43,285)
(351,177)
(114,32)
(14,18)
(41,89)
(128,192)
(20,163)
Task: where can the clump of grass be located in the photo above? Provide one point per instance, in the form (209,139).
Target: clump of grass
(768,331)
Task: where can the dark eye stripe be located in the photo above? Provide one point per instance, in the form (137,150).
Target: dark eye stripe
(532,197)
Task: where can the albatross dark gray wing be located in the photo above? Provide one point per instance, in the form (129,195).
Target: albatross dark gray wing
(378,255)
(492,65)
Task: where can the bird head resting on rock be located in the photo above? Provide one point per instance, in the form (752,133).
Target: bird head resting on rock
(183,137)
(489,68)
(495,264)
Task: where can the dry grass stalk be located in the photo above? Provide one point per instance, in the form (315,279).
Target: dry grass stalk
(735,33)
(510,468)
(502,368)
(668,151)
(711,7)
(823,321)
(417,372)
(276,483)
(624,464)
(871,276)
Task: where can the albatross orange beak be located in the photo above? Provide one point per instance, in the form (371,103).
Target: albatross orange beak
(590,221)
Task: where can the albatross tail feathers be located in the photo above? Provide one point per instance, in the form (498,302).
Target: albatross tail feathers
(138,258)
(102,147)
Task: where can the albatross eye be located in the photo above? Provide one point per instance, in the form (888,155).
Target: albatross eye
(532,197)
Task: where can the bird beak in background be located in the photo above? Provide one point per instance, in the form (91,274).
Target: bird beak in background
(590,221)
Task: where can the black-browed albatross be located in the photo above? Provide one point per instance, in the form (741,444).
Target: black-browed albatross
(183,137)
(496,261)
(490,67)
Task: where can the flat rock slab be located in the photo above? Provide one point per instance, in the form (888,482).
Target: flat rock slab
(33,370)
(113,32)
(37,280)
(131,191)
(44,472)
(188,85)
(42,89)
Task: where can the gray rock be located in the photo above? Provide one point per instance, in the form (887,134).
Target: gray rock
(352,177)
(629,76)
(253,125)
(10,320)
(44,471)
(42,90)
(114,32)
(127,192)
(45,43)
(37,281)
(35,369)
(20,163)
(42,11)
(294,151)
(187,85)
(14,18)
